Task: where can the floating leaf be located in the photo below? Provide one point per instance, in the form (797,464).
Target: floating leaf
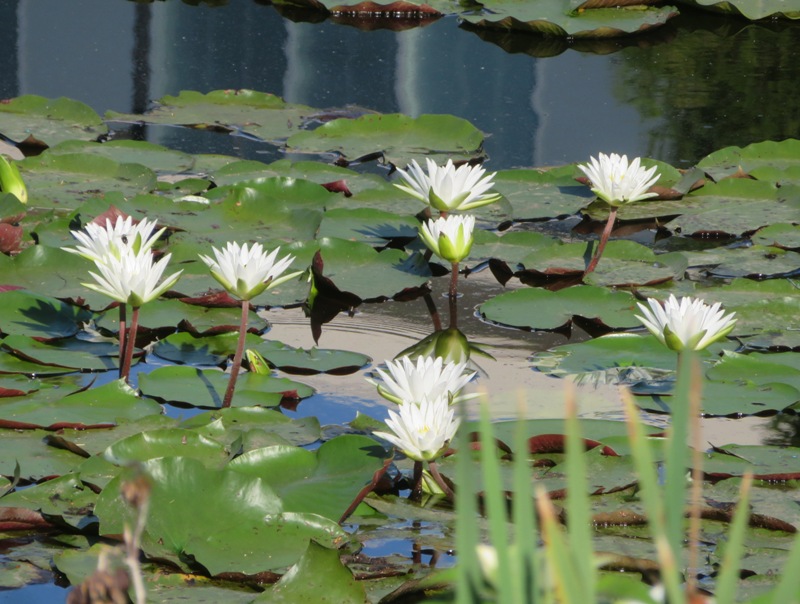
(167,442)
(220,519)
(536,308)
(552,18)
(38,121)
(259,114)
(311,361)
(317,577)
(226,425)
(155,157)
(65,497)
(31,314)
(197,388)
(397,137)
(325,481)
(65,181)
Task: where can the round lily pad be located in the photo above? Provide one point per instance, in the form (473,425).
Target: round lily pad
(39,121)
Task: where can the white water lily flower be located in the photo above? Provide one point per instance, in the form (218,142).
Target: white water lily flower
(616,182)
(449,238)
(98,243)
(427,379)
(422,431)
(132,278)
(246,272)
(686,324)
(447,188)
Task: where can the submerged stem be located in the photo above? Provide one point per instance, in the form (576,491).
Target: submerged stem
(237,357)
(603,240)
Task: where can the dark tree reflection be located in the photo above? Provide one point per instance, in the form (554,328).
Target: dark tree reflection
(719,82)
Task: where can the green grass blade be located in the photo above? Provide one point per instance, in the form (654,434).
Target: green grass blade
(579,521)
(728,579)
(525,565)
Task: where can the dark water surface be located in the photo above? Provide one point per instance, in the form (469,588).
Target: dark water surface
(676,94)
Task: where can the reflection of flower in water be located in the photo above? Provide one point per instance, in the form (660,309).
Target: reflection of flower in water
(686,324)
(447,188)
(422,430)
(427,379)
(617,182)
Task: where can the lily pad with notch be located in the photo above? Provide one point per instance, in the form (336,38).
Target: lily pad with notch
(40,122)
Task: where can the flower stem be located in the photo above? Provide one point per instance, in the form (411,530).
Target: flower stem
(416,487)
(130,344)
(237,357)
(454,281)
(122,335)
(440,481)
(603,240)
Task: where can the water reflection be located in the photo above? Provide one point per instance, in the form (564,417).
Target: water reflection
(676,94)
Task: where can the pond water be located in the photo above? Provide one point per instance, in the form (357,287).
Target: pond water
(699,84)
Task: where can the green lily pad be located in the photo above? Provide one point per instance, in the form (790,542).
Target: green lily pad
(783,155)
(68,354)
(167,442)
(221,520)
(31,314)
(623,263)
(226,425)
(65,497)
(312,361)
(66,180)
(750,9)
(614,358)
(757,262)
(102,406)
(37,459)
(760,306)
(735,206)
(375,227)
(159,159)
(398,137)
(198,388)
(541,309)
(554,18)
(732,399)
(325,481)
(757,368)
(359,269)
(187,349)
(318,576)
(94,442)
(30,118)
(259,114)
(784,235)
(537,194)
(767,462)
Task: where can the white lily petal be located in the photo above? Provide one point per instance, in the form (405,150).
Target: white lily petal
(447,188)
(616,182)
(688,323)
(246,271)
